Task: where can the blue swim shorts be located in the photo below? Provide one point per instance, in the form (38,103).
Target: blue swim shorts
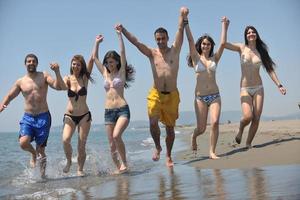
(112,115)
(37,127)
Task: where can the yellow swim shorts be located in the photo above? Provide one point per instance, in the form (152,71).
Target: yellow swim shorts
(163,105)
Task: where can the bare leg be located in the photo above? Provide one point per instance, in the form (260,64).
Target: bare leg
(84,128)
(69,128)
(43,160)
(120,126)
(26,146)
(246,103)
(169,144)
(155,133)
(113,148)
(258,100)
(201,111)
(215,110)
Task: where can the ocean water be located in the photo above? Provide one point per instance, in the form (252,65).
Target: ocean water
(146,179)
(17,177)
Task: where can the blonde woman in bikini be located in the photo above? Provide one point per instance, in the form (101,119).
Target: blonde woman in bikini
(77,115)
(207,97)
(253,55)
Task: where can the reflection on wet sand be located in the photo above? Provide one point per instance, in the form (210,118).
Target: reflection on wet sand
(173,191)
(211,185)
(184,182)
(83,193)
(122,186)
(256,183)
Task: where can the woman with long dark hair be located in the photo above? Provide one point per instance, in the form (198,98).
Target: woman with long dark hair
(207,97)
(253,55)
(117,74)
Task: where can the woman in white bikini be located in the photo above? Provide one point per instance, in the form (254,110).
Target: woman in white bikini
(116,74)
(253,55)
(207,97)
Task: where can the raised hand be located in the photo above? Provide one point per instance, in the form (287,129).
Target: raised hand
(226,21)
(54,67)
(184,11)
(99,38)
(119,28)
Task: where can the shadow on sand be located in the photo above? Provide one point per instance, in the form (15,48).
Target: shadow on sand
(242,149)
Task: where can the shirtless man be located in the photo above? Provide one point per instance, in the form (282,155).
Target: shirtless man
(36,122)
(163,98)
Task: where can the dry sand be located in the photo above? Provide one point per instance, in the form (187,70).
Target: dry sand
(275,143)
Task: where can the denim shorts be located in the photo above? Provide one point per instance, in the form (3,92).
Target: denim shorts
(112,115)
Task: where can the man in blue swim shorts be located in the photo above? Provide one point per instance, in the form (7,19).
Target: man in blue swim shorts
(36,122)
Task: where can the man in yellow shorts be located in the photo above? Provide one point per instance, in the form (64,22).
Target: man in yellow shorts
(164,105)
(163,98)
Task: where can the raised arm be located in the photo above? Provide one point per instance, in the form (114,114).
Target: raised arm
(219,52)
(141,47)
(57,83)
(193,51)
(13,93)
(118,28)
(234,46)
(179,34)
(99,39)
(275,79)
(90,64)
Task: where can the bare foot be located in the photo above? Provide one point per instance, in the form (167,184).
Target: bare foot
(169,162)
(67,167)
(194,142)
(156,155)
(213,156)
(238,137)
(43,163)
(33,161)
(123,169)
(80,173)
(248,146)
(123,166)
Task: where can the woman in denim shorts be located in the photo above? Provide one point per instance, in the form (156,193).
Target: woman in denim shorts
(116,74)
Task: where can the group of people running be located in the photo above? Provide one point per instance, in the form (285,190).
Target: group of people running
(163,98)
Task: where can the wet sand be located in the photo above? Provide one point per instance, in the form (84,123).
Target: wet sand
(270,170)
(276,143)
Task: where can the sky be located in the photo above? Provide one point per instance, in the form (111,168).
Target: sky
(56,30)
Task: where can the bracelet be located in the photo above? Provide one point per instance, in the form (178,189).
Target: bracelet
(185,22)
(280,86)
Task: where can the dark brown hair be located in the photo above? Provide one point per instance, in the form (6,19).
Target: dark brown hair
(129,70)
(31,55)
(262,49)
(198,47)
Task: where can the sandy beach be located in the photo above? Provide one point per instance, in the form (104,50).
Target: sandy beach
(276,143)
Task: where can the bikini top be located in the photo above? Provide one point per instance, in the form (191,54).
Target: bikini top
(249,62)
(81,92)
(200,66)
(115,83)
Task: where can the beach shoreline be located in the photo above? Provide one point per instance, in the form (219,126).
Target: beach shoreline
(276,143)
(250,174)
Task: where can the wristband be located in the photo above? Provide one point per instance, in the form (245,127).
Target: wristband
(280,86)
(185,22)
